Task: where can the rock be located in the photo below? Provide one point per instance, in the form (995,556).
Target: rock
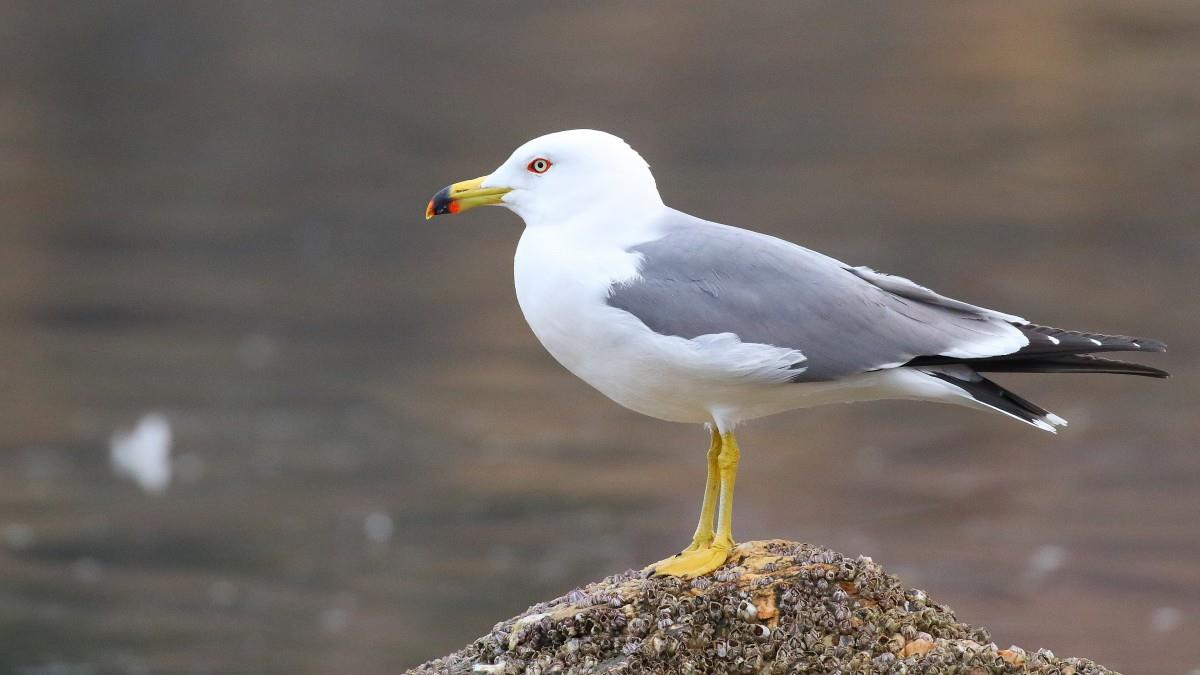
(776,607)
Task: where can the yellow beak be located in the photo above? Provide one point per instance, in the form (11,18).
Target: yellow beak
(464,196)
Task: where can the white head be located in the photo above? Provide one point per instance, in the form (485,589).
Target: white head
(559,177)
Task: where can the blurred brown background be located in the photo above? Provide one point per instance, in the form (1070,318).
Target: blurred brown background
(214,211)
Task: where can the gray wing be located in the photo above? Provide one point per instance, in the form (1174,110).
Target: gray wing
(703,278)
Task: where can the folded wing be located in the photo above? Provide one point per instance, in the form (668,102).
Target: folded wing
(703,278)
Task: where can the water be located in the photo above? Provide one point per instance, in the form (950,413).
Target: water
(215,212)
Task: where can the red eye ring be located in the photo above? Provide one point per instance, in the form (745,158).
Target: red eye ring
(539,165)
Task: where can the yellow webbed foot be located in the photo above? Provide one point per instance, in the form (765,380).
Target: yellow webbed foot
(692,563)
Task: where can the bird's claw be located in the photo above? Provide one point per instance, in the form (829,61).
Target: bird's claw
(692,562)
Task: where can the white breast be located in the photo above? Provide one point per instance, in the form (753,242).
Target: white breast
(562,279)
(562,287)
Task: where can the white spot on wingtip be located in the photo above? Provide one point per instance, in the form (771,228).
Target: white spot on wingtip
(1055,420)
(1053,339)
(1096,342)
(1049,422)
(1043,426)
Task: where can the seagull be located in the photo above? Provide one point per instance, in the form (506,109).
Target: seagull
(692,321)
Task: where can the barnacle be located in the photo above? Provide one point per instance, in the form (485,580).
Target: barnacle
(719,648)
(761,582)
(746,611)
(726,575)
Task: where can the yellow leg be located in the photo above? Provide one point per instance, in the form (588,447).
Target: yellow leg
(703,537)
(728,466)
(707,553)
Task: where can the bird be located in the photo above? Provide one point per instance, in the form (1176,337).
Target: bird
(687,320)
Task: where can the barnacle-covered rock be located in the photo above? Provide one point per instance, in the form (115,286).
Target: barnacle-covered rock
(775,607)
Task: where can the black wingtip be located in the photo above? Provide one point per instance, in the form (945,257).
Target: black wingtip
(1152,345)
(1046,340)
(1071,363)
(1147,371)
(1154,372)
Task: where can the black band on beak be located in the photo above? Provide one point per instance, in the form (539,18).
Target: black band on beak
(440,204)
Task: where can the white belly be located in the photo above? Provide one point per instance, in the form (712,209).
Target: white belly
(562,287)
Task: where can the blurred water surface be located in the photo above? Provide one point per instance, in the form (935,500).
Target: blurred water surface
(213,211)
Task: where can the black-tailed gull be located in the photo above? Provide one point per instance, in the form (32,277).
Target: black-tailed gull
(692,321)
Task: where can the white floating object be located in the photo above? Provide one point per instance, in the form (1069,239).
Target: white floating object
(257,351)
(379,527)
(17,536)
(335,619)
(144,454)
(1166,619)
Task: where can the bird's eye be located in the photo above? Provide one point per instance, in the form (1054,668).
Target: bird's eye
(539,165)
